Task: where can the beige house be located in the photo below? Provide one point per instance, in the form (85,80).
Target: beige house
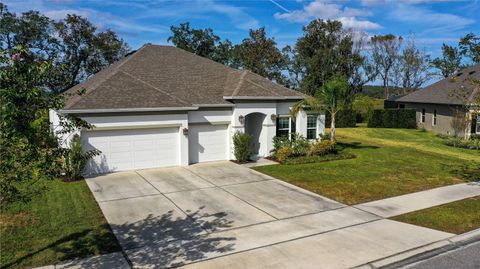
(447,106)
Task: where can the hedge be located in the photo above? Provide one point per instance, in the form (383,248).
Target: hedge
(393,118)
(344,119)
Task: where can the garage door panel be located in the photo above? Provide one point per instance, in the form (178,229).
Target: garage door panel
(132,149)
(207,143)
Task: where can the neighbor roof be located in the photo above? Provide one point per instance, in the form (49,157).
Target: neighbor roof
(167,77)
(444,91)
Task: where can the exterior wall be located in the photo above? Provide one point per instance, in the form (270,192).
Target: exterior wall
(228,116)
(268,126)
(445,118)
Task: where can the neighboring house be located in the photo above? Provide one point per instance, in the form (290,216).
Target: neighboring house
(162,106)
(445,107)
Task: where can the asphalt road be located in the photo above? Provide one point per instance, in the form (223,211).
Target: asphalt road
(466,257)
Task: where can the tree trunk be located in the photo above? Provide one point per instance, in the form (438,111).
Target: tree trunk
(332,127)
(385,89)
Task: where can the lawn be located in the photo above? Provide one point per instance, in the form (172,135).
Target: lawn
(63,223)
(457,217)
(389,162)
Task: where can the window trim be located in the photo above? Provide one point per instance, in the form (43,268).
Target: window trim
(315,116)
(289,129)
(434,117)
(423,115)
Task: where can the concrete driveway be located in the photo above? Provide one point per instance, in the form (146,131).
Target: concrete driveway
(219,215)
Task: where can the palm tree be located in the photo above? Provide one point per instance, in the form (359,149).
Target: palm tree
(332,97)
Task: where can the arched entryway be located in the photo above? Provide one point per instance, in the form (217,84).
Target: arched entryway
(253,127)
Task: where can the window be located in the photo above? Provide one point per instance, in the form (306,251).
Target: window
(312,127)
(283,126)
(478,125)
(434,118)
(422,117)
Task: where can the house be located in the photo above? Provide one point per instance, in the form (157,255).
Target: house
(162,106)
(446,107)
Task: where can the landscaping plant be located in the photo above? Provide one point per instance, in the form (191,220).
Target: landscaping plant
(284,153)
(76,159)
(242,147)
(332,97)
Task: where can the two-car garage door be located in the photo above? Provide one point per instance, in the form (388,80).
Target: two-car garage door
(132,149)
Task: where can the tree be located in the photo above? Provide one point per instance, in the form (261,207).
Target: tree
(385,53)
(73,45)
(324,50)
(293,67)
(30,152)
(450,61)
(83,52)
(470,47)
(332,97)
(411,70)
(362,67)
(259,54)
(202,42)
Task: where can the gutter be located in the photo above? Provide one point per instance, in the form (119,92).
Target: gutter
(146,109)
(263,97)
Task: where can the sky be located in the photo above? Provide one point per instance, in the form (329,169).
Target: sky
(137,22)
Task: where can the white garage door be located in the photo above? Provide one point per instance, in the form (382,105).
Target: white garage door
(132,149)
(207,143)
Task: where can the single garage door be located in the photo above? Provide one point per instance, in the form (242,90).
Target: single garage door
(207,143)
(132,149)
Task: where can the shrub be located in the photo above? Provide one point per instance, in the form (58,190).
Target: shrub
(242,146)
(461,143)
(322,148)
(76,159)
(297,143)
(278,143)
(283,153)
(300,145)
(345,119)
(393,118)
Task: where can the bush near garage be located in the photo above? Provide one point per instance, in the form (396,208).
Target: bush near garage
(242,147)
(393,118)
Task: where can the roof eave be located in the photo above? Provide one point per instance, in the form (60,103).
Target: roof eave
(263,97)
(114,110)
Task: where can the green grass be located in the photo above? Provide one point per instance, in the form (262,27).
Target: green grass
(457,217)
(389,162)
(63,223)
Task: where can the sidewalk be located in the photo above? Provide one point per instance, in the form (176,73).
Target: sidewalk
(399,205)
(459,252)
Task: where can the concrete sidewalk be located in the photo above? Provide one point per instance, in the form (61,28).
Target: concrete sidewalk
(399,205)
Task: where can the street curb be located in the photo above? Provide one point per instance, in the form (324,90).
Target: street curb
(423,252)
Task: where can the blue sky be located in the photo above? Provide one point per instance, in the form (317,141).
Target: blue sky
(138,22)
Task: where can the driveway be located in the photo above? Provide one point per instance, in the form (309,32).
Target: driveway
(219,215)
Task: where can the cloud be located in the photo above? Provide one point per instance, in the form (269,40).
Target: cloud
(320,9)
(436,22)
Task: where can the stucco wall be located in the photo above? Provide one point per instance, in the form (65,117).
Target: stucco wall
(445,118)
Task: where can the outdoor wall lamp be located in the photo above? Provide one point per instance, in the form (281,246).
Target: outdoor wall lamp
(273,117)
(241,119)
(185,131)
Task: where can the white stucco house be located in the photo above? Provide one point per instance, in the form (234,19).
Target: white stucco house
(162,106)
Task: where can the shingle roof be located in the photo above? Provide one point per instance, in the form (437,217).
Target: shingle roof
(444,91)
(164,76)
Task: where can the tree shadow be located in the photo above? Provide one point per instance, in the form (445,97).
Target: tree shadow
(158,241)
(354,145)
